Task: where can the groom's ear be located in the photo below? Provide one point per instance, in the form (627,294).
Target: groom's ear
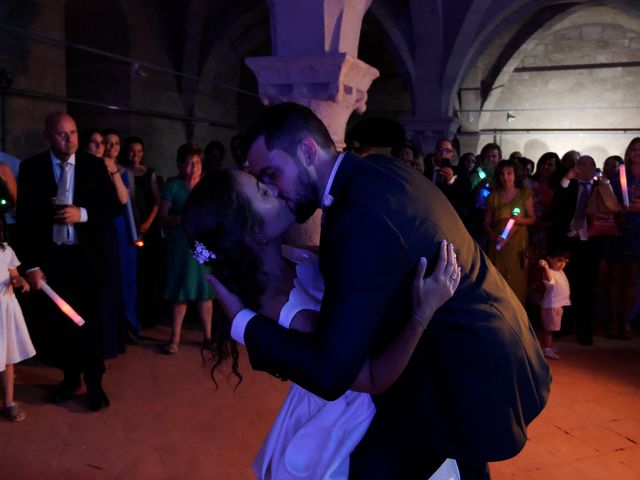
(309,150)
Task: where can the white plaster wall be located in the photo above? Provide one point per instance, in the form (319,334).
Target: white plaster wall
(585,103)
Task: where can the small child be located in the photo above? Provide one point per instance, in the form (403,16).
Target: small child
(556,296)
(15,343)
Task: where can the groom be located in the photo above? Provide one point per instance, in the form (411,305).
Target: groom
(477,377)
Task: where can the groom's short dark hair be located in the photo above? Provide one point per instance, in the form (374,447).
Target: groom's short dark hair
(284,125)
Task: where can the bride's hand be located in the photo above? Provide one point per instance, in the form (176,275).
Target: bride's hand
(231,303)
(430,293)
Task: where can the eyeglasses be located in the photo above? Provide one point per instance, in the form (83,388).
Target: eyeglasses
(444,150)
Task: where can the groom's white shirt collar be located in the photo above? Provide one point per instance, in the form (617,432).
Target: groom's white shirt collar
(241,320)
(327,198)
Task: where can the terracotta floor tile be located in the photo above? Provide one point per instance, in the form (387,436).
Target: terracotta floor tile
(535,455)
(565,446)
(556,472)
(605,466)
(565,418)
(541,427)
(595,411)
(629,457)
(601,438)
(628,427)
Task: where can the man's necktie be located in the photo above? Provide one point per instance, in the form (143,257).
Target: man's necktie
(62,233)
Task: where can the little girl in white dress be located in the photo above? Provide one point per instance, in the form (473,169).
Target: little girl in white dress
(15,343)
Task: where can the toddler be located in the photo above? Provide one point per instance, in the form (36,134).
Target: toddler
(556,296)
(15,343)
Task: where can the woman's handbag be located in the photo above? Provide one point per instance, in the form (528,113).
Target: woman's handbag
(601,208)
(603,225)
(602,200)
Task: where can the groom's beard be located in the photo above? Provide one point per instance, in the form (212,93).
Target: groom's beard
(307,199)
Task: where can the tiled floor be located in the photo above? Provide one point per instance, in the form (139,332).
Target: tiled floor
(167,421)
(591,427)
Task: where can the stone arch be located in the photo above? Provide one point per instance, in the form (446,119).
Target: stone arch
(383,46)
(226,85)
(399,42)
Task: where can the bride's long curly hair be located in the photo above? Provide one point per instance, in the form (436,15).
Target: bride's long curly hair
(220,217)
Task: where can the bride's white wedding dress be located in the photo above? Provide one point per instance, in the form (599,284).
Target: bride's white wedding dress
(312,438)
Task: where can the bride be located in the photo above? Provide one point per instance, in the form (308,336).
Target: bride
(237,224)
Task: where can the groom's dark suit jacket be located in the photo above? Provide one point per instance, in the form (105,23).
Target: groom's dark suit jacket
(477,377)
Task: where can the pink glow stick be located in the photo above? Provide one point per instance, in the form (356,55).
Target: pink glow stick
(62,305)
(623,185)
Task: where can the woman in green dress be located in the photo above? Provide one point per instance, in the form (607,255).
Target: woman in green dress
(185,277)
(510,200)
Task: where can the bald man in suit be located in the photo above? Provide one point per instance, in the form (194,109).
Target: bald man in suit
(63,244)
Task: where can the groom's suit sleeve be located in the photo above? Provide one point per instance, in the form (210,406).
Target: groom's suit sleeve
(369,262)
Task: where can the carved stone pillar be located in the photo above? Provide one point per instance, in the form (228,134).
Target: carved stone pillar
(315,46)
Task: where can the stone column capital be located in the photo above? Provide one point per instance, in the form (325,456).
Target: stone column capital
(333,85)
(334,77)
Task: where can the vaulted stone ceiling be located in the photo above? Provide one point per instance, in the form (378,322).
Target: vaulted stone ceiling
(430,53)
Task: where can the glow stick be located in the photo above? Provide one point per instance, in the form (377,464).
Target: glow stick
(623,185)
(481,174)
(135,239)
(62,305)
(509,226)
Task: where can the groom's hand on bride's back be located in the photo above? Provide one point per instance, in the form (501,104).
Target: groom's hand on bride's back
(230,302)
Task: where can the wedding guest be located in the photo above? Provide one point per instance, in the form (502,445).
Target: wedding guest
(489,157)
(238,153)
(542,190)
(526,171)
(567,163)
(8,198)
(539,231)
(556,297)
(92,141)
(15,342)
(213,157)
(447,177)
(482,184)
(569,227)
(67,249)
(467,163)
(146,204)
(120,316)
(510,201)
(13,165)
(610,166)
(185,280)
(624,261)
(409,154)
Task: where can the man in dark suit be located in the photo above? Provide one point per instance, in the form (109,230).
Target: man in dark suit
(65,198)
(477,377)
(569,227)
(455,185)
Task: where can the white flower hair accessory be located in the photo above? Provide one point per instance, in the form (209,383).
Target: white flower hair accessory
(201,254)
